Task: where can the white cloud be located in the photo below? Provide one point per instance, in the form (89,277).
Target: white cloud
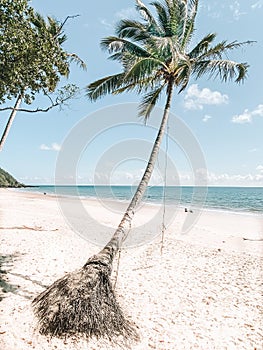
(105,23)
(54,147)
(247,116)
(213,9)
(258,111)
(260,168)
(44,147)
(235,179)
(196,98)
(235,8)
(128,12)
(257,5)
(206,118)
(217,9)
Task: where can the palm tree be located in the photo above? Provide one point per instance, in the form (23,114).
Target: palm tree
(156,58)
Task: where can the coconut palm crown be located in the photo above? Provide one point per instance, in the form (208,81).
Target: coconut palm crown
(156,54)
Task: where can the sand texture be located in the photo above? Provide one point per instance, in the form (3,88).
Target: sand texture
(202,290)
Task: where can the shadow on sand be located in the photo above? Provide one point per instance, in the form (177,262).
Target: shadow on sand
(6,265)
(6,262)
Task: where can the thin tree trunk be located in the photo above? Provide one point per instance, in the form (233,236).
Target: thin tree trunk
(107,254)
(10,121)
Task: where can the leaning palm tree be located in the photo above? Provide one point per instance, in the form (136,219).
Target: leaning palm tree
(156,58)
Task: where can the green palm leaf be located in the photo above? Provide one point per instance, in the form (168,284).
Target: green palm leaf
(104,86)
(143,68)
(132,30)
(156,51)
(202,46)
(163,18)
(146,14)
(149,101)
(224,69)
(115,44)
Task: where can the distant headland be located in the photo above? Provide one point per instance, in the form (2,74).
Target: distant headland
(7,180)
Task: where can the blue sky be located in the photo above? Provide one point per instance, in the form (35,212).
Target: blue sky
(225,119)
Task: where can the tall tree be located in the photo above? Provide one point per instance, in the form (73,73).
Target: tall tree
(32,59)
(156,57)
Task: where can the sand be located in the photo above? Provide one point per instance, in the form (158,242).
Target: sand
(202,290)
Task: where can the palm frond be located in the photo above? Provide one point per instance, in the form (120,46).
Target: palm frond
(118,56)
(140,86)
(178,19)
(145,12)
(183,77)
(149,101)
(125,58)
(131,30)
(76,59)
(104,86)
(189,23)
(163,18)
(192,8)
(143,68)
(224,69)
(115,44)
(188,32)
(236,45)
(161,47)
(202,46)
(165,48)
(222,48)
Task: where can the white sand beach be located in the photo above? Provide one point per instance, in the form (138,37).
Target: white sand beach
(204,291)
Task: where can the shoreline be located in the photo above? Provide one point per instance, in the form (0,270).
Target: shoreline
(202,292)
(236,211)
(208,227)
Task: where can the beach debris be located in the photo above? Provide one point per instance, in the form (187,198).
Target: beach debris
(252,239)
(186,210)
(24,227)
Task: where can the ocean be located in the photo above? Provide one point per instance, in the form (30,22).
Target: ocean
(237,199)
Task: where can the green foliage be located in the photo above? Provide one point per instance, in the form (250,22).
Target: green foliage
(7,180)
(156,54)
(32,58)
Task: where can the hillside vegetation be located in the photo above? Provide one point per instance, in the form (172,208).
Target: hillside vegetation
(7,180)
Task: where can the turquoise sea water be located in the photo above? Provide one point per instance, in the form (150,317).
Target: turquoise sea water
(239,199)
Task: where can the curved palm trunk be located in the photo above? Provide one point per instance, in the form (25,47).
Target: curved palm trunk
(83,302)
(107,254)
(10,122)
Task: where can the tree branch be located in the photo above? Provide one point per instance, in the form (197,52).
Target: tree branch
(65,94)
(53,105)
(31,110)
(62,25)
